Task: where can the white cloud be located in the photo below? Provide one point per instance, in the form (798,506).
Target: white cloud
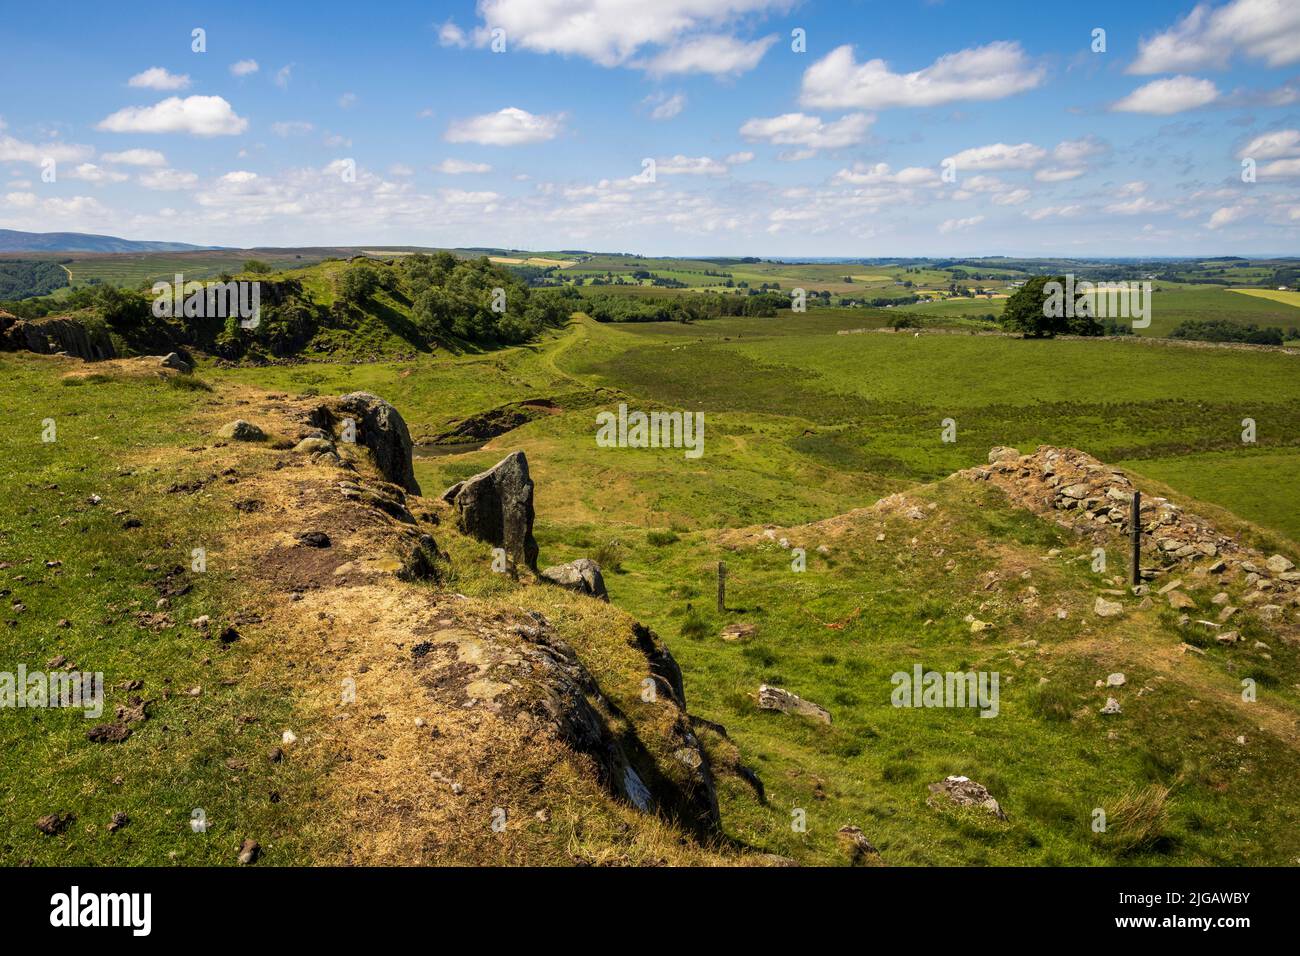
(1267,30)
(989,72)
(1281,169)
(461,197)
(863,175)
(1173,95)
(18,151)
(680,165)
(291,128)
(347,101)
(1071,152)
(1059,174)
(157,78)
(1054,212)
(507,127)
(1012,197)
(999,156)
(244,68)
(168,179)
(197,115)
(956,225)
(136,157)
(1225,215)
(457,167)
(801,129)
(718,55)
(451,35)
(1274,145)
(664,107)
(95,174)
(1137,207)
(283,75)
(612,32)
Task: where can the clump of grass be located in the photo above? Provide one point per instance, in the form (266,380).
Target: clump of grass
(694,627)
(1136,820)
(661,538)
(1053,702)
(188,383)
(610,556)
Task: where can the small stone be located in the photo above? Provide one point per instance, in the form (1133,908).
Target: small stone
(249,851)
(1112,706)
(1279,565)
(240,430)
(53,824)
(289,738)
(119,820)
(314,539)
(1115,680)
(1104,608)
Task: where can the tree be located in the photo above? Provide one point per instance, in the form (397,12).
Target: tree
(358,283)
(257,267)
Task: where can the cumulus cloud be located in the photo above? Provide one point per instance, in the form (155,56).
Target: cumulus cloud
(1209,37)
(168,180)
(680,165)
(291,128)
(864,175)
(957,225)
(157,78)
(1173,95)
(244,68)
(95,174)
(1274,145)
(507,127)
(18,151)
(458,167)
(196,115)
(451,35)
(991,72)
(998,156)
(1054,212)
(136,157)
(1225,215)
(613,32)
(801,129)
(717,55)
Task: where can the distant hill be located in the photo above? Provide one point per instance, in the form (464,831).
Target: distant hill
(11,240)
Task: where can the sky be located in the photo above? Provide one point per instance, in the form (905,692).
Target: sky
(661,127)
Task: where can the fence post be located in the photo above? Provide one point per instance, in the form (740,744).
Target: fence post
(722,587)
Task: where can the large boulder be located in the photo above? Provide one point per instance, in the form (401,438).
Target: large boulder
(496,506)
(582,575)
(240,430)
(57,334)
(381,429)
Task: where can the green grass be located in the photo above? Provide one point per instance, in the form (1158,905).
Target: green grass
(176,761)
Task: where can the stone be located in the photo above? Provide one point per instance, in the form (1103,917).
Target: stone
(240,430)
(496,506)
(1227,637)
(774,698)
(582,575)
(52,824)
(860,848)
(381,429)
(740,631)
(1111,707)
(173,361)
(1171,586)
(1115,680)
(965,792)
(312,446)
(249,851)
(1280,565)
(1103,608)
(1180,601)
(313,539)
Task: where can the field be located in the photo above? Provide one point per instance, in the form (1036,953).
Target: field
(803,426)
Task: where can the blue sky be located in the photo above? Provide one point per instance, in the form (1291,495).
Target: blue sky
(664,127)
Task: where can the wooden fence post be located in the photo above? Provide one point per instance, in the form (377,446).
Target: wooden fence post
(1136,528)
(722,587)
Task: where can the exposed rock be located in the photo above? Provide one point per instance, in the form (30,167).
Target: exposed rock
(249,851)
(240,430)
(173,361)
(50,335)
(860,849)
(1280,565)
(1103,608)
(496,506)
(314,446)
(965,792)
(739,631)
(582,575)
(424,561)
(1111,706)
(313,539)
(1115,680)
(53,824)
(774,698)
(1180,601)
(381,429)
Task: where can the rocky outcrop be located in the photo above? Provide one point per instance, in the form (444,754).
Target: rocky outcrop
(379,427)
(774,698)
(965,792)
(51,335)
(240,430)
(496,506)
(582,575)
